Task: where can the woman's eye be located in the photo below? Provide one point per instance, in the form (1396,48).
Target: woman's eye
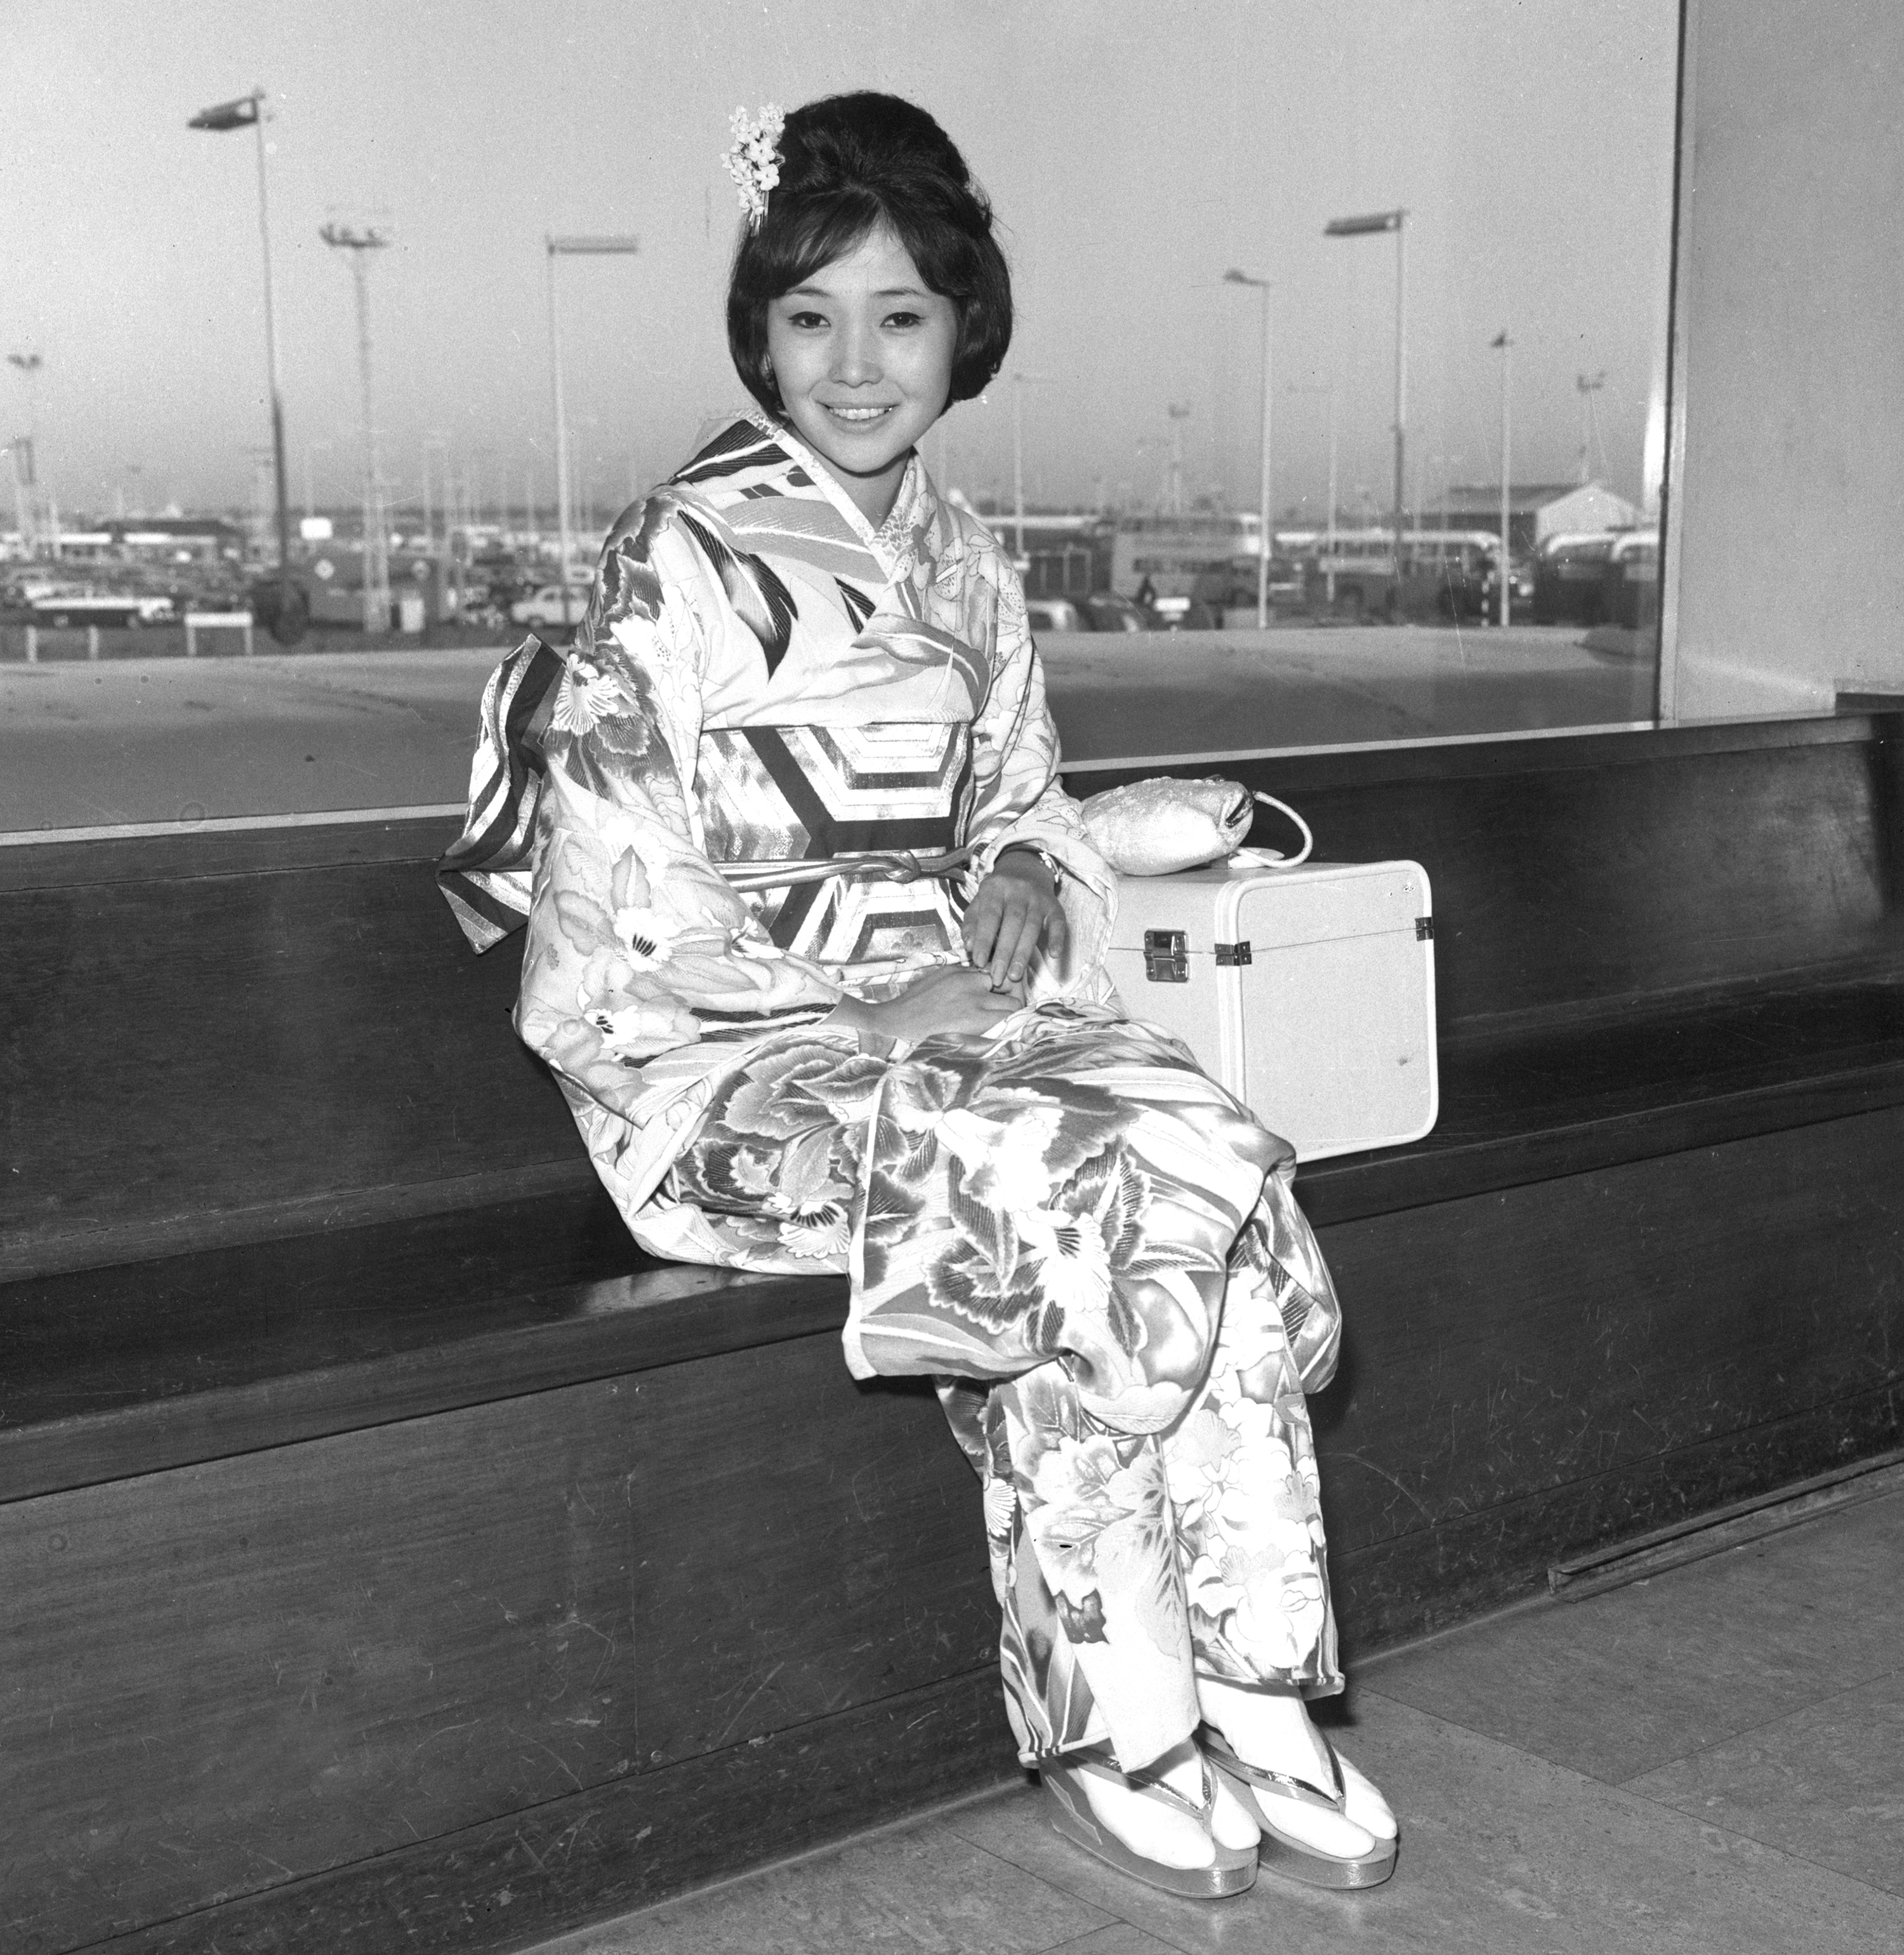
(807,322)
(904,319)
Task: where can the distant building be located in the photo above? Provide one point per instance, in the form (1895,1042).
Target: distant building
(171,538)
(1535,511)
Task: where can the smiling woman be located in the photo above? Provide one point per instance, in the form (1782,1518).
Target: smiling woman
(817,947)
(340,1412)
(874,297)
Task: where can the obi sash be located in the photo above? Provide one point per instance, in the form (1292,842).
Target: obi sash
(831,793)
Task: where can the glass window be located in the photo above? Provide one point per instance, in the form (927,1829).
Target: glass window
(1405,263)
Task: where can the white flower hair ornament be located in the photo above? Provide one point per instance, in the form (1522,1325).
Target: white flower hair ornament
(753,162)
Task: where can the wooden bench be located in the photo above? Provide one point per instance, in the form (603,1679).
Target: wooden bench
(396,1559)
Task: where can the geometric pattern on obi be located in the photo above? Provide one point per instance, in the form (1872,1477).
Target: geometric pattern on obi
(819,794)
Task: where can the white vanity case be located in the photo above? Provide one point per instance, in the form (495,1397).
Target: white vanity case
(1308,992)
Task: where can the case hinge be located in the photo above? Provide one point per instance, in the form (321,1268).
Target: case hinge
(1166,956)
(1233,953)
(1423,929)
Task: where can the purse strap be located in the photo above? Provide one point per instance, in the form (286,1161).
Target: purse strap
(1271,858)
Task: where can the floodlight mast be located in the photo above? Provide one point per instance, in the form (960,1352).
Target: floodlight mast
(1019,382)
(1504,345)
(1587,385)
(248,111)
(376,540)
(1233,277)
(1370,225)
(590,246)
(23,453)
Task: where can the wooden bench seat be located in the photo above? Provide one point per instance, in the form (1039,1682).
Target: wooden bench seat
(1522,1102)
(134,1367)
(410,1563)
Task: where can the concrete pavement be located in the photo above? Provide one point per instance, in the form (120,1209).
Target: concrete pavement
(164,740)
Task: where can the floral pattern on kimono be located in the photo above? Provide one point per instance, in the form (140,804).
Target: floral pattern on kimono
(1092,1246)
(1048,1210)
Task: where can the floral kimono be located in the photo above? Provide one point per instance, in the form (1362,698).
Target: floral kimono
(1091,1245)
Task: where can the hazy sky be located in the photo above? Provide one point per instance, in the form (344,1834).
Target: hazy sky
(1134,149)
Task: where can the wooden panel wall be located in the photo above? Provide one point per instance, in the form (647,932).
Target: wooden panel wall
(1568,1363)
(180,1050)
(249,1671)
(355,1646)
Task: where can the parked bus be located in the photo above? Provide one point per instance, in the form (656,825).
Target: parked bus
(1445,574)
(1182,556)
(1610,576)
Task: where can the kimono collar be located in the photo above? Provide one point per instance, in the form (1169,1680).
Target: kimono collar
(898,544)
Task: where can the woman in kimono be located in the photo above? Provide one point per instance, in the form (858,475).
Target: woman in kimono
(815,943)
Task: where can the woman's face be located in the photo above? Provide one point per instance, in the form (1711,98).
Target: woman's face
(862,352)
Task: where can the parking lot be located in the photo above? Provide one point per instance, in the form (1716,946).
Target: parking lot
(170,739)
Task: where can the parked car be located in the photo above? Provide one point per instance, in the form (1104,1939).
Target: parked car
(1570,580)
(126,609)
(1630,594)
(1105,611)
(1186,614)
(1520,590)
(551,604)
(1101,611)
(1228,594)
(1055,614)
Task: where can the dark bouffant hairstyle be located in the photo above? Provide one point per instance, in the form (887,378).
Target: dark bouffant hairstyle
(849,164)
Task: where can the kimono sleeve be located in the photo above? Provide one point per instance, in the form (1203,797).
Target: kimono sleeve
(637,948)
(1020,798)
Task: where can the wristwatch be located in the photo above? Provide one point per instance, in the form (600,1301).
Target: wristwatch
(1053,867)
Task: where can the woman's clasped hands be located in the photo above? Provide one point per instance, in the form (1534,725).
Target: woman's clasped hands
(1016,910)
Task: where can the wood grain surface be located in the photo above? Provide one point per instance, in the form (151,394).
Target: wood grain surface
(249,1671)
(593,1854)
(1501,1345)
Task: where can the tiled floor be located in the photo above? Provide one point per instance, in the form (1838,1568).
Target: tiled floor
(1710,1761)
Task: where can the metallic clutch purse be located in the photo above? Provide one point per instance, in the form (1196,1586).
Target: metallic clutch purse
(1160,827)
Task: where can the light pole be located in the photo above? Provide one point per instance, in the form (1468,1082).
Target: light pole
(26,463)
(1019,382)
(1328,387)
(1264,538)
(312,449)
(436,464)
(247,111)
(1505,346)
(1179,412)
(1587,385)
(1150,444)
(570,247)
(1369,226)
(376,538)
(581,487)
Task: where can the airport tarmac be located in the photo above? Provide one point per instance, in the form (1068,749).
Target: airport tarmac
(164,740)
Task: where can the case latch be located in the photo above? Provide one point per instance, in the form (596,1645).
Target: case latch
(1166,956)
(1233,953)
(1423,929)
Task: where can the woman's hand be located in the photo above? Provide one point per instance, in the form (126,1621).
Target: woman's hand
(948,998)
(1016,908)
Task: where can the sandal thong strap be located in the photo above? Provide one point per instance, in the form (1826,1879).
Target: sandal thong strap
(1098,1761)
(1286,1784)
